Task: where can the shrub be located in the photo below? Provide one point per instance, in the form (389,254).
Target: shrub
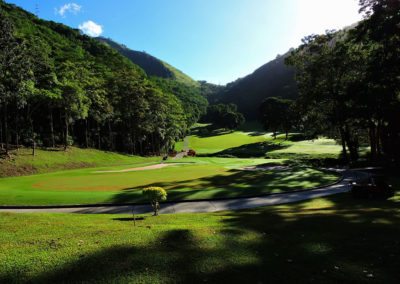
(155,195)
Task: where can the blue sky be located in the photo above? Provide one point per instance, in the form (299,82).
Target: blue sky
(214,40)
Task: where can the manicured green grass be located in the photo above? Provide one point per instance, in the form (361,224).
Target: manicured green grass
(23,163)
(197,178)
(249,143)
(330,240)
(219,142)
(320,148)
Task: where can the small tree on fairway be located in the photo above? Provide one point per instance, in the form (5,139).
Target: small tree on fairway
(155,195)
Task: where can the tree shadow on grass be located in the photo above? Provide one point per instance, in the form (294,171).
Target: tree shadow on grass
(348,241)
(124,263)
(129,219)
(253,150)
(205,132)
(337,244)
(236,183)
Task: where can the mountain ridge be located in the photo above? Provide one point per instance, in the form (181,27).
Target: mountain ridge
(273,79)
(153,66)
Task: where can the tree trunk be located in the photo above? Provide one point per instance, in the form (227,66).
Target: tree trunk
(153,149)
(53,144)
(131,143)
(378,140)
(352,143)
(33,136)
(1,135)
(156,207)
(134,142)
(66,126)
(98,136)
(110,136)
(86,134)
(372,141)
(16,131)
(6,129)
(343,140)
(62,130)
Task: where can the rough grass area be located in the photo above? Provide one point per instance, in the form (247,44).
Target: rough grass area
(331,240)
(199,178)
(23,163)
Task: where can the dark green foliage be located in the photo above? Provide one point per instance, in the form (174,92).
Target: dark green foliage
(224,116)
(72,89)
(349,82)
(193,103)
(168,79)
(274,79)
(15,77)
(277,114)
(211,91)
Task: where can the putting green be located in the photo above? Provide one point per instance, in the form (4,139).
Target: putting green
(197,178)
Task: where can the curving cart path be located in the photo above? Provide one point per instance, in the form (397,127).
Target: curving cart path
(206,206)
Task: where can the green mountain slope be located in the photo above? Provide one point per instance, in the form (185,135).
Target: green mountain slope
(150,64)
(273,79)
(74,90)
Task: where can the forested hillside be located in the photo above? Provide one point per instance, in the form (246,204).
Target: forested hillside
(270,80)
(59,87)
(169,79)
(150,64)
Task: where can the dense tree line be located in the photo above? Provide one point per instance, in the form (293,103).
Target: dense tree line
(211,92)
(224,116)
(278,114)
(349,82)
(59,87)
(193,103)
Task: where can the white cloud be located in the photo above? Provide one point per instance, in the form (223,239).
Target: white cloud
(91,28)
(72,8)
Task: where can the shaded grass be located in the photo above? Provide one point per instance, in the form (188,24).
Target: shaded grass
(329,240)
(234,183)
(203,178)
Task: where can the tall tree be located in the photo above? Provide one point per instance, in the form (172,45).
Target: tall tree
(14,75)
(277,114)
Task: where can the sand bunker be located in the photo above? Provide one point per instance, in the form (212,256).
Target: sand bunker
(147,168)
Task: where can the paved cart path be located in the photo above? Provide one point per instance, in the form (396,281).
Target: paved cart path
(208,206)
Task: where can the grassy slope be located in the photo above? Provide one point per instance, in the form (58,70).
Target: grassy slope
(201,179)
(23,162)
(259,144)
(181,77)
(331,240)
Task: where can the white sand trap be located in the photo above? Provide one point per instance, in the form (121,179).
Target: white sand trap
(147,168)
